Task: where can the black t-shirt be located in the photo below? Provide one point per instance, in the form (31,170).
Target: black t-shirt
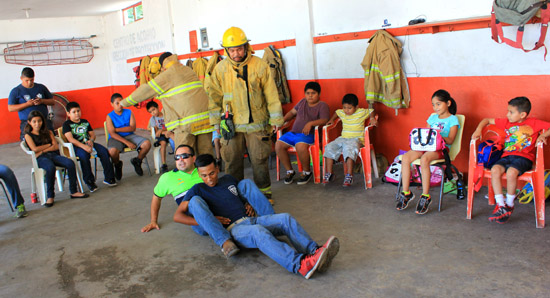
(222,199)
(79,130)
(40,140)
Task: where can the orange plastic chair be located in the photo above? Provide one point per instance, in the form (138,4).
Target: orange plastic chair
(366,153)
(535,176)
(313,153)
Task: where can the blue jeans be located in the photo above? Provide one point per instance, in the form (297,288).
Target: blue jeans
(8,176)
(210,225)
(260,232)
(48,161)
(86,166)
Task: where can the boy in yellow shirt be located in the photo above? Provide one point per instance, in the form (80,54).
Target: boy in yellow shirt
(351,140)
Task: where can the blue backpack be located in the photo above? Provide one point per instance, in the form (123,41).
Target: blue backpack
(488,153)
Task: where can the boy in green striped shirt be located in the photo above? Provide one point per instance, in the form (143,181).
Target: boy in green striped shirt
(351,140)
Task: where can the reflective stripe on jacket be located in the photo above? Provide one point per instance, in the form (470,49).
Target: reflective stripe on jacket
(385,80)
(228,87)
(184,101)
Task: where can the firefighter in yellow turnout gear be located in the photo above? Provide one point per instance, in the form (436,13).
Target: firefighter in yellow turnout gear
(243,85)
(184,102)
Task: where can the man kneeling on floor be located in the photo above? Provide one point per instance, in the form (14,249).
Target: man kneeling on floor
(229,206)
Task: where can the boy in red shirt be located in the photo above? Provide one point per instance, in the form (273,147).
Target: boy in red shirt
(522,135)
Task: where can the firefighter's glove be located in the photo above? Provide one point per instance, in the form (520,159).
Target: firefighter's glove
(227,129)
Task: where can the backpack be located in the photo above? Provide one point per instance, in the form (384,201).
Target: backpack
(488,153)
(525,196)
(393,174)
(518,13)
(274,59)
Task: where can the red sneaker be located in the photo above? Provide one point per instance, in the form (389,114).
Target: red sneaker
(506,215)
(497,213)
(310,263)
(332,246)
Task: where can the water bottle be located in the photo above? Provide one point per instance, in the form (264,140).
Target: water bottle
(460,190)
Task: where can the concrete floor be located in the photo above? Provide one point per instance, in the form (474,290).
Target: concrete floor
(94,247)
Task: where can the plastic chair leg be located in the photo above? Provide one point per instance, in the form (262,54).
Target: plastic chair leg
(364,154)
(8,197)
(60,179)
(278,166)
(157,159)
(147,164)
(314,153)
(441,191)
(539,200)
(374,164)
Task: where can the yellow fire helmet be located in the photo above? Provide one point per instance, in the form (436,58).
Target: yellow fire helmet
(234,37)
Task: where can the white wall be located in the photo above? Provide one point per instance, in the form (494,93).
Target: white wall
(462,53)
(150,35)
(59,77)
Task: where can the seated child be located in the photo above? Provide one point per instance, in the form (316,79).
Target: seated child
(309,112)
(162,136)
(121,125)
(518,154)
(80,133)
(447,123)
(352,139)
(41,140)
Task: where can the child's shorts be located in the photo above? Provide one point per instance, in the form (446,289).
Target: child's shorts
(349,148)
(138,140)
(520,163)
(161,138)
(292,138)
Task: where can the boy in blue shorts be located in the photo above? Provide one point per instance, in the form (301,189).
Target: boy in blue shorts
(80,133)
(121,125)
(351,140)
(162,136)
(522,135)
(309,112)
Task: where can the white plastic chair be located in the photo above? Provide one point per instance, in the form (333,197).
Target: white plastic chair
(156,152)
(70,153)
(8,197)
(38,174)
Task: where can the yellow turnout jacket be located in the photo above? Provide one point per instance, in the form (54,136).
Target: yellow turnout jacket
(184,101)
(259,101)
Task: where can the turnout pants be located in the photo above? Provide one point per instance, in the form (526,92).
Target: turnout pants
(201,143)
(258,145)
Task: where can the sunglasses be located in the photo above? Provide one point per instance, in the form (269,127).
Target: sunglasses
(182,156)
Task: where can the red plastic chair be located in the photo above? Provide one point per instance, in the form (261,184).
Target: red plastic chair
(535,176)
(313,153)
(366,153)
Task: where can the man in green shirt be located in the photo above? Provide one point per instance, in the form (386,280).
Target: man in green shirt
(177,183)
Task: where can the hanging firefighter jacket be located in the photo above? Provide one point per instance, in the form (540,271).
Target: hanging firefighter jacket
(385,80)
(274,59)
(184,101)
(199,67)
(209,68)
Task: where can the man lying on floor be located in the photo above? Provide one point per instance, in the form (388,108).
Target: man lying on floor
(228,204)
